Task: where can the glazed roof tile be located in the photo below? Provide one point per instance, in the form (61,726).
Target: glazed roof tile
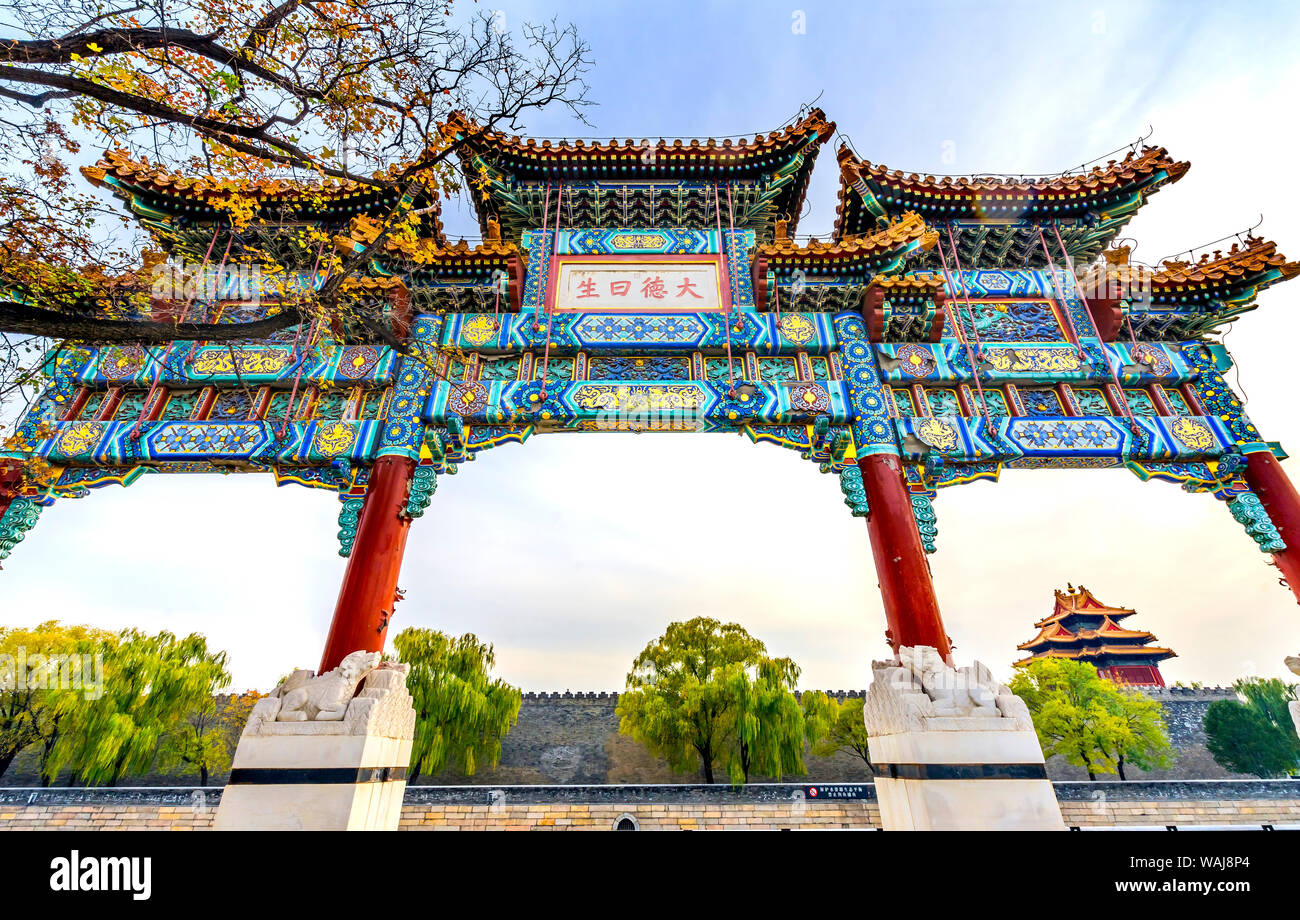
(1239,273)
(1257,256)
(787,138)
(141,174)
(1135,169)
(1081,601)
(1085,635)
(425,250)
(1126,651)
(908,229)
(120,164)
(922,284)
(354,284)
(1115,173)
(781,162)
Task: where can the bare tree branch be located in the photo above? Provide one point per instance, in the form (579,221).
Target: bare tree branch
(29,320)
(354,91)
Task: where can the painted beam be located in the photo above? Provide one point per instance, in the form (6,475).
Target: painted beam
(812,333)
(252,364)
(1011,362)
(1029,440)
(111,444)
(598,405)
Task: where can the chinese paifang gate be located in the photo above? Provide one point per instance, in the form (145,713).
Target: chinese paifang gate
(949,328)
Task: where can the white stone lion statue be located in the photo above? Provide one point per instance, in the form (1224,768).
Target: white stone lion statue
(919,691)
(304,698)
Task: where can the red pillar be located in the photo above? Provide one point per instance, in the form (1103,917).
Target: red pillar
(369,588)
(911,608)
(1267,479)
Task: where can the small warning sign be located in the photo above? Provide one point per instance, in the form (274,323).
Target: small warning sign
(838,791)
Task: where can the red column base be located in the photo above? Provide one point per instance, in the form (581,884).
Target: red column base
(369,590)
(1267,479)
(911,607)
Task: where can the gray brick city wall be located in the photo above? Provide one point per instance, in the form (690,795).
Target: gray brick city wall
(573,738)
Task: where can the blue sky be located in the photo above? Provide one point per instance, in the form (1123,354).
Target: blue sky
(571,552)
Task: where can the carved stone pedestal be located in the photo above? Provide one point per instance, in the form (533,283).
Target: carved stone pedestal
(315,757)
(954,749)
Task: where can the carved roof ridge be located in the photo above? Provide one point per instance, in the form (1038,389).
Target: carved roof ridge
(1151,159)
(1240,262)
(1257,255)
(907,229)
(120,164)
(814,122)
(363,230)
(1135,168)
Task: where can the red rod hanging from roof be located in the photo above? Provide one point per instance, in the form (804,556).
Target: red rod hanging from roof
(970,355)
(550,307)
(162,364)
(1125,409)
(726,314)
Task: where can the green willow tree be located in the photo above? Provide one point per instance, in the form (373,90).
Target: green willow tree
(1144,743)
(845,731)
(1257,736)
(27,712)
(706,696)
(204,740)
(150,684)
(1088,720)
(769,723)
(462,713)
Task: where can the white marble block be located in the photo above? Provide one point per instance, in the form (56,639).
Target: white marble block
(317,755)
(953,749)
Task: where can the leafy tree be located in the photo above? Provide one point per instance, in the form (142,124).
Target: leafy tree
(845,732)
(306,90)
(1271,697)
(204,741)
(27,712)
(1087,720)
(150,684)
(1145,742)
(1257,736)
(333,86)
(235,713)
(706,696)
(462,712)
(770,725)
(1243,741)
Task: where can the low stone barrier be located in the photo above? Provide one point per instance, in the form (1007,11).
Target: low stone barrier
(777,806)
